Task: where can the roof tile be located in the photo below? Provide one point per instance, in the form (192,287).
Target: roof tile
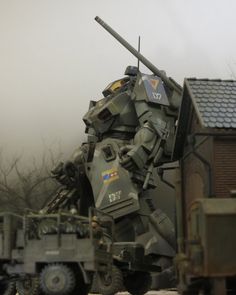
(215,101)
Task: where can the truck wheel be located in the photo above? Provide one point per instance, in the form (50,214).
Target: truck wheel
(138,283)
(29,286)
(57,279)
(7,288)
(110,283)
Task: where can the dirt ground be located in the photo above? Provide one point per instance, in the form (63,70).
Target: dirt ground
(164,292)
(150,293)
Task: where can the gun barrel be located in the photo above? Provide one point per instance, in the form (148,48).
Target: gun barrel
(172,85)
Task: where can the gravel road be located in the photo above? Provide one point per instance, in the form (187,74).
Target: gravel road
(164,292)
(149,293)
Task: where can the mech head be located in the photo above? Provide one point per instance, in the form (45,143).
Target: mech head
(131,71)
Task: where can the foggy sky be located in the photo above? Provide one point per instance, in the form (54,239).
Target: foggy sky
(54,58)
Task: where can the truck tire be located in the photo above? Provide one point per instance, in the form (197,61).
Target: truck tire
(29,286)
(110,283)
(138,283)
(7,288)
(57,279)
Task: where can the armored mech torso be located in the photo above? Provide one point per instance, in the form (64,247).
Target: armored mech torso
(134,126)
(128,105)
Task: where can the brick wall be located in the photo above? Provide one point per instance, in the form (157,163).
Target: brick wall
(225,167)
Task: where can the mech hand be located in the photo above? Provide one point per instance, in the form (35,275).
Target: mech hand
(133,157)
(65,174)
(125,160)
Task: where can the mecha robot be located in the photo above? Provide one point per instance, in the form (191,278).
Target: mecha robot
(130,133)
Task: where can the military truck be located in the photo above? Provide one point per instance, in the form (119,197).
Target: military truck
(9,224)
(55,253)
(62,253)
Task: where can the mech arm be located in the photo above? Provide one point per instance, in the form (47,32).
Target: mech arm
(67,195)
(62,199)
(66,174)
(147,142)
(147,147)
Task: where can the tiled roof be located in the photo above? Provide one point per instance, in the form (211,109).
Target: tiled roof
(214,101)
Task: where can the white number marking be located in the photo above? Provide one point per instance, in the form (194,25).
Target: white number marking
(113,197)
(156,95)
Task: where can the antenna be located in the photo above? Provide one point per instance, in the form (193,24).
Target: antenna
(138,50)
(170,83)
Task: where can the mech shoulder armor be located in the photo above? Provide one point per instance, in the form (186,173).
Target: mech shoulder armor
(150,88)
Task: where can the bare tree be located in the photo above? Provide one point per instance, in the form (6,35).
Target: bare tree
(28,187)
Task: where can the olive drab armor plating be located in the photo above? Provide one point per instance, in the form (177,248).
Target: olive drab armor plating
(131,125)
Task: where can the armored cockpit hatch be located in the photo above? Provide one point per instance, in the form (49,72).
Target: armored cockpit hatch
(114,86)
